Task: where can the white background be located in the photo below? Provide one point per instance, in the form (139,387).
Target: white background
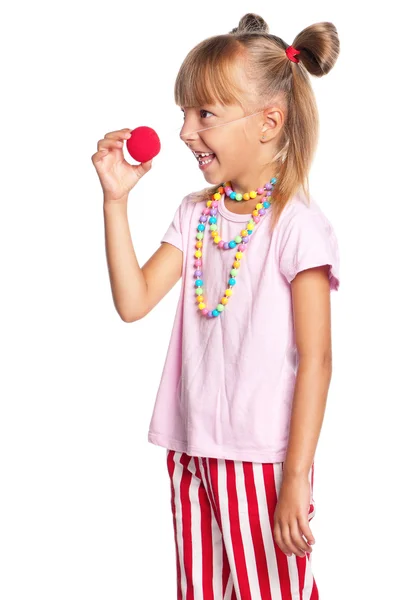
(84,498)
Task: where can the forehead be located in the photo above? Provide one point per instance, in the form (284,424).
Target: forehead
(199,84)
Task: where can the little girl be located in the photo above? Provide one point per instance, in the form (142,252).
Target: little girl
(243,391)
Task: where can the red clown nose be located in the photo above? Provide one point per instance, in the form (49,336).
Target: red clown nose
(144,144)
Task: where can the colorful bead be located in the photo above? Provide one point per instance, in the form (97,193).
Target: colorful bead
(241,240)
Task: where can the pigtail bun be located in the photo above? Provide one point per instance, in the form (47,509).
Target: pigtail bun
(319,47)
(251,23)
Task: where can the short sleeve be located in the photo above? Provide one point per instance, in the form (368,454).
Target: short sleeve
(308,240)
(173,234)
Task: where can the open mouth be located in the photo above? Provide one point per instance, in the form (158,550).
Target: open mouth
(204,158)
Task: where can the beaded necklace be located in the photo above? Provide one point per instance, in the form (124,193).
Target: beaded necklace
(241,240)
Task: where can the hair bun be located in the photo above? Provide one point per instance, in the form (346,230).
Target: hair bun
(251,23)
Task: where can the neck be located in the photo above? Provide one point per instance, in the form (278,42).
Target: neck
(246,184)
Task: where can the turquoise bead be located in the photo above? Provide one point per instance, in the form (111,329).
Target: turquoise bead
(212,220)
(250,231)
(232,244)
(273,181)
(232,195)
(215,313)
(266,204)
(201,227)
(199,282)
(232,281)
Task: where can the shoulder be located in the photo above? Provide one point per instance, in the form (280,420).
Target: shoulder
(306,239)
(303,215)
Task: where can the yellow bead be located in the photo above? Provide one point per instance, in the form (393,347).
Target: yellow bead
(224,301)
(228,292)
(199,298)
(239,255)
(250,226)
(216,196)
(209,203)
(198,254)
(236,264)
(199,244)
(259,205)
(246,196)
(217,239)
(253,194)
(202,305)
(255,213)
(243,233)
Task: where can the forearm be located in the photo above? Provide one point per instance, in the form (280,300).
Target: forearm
(129,289)
(309,403)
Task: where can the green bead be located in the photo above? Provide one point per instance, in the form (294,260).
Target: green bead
(238,197)
(199,291)
(213,227)
(238,239)
(234,272)
(199,236)
(220,307)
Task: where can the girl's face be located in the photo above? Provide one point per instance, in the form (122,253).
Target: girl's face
(237,152)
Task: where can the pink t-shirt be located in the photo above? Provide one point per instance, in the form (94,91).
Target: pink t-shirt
(227,385)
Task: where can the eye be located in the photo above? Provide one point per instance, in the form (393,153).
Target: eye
(205,111)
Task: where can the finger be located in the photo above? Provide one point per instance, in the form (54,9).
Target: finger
(109,144)
(121,134)
(279,541)
(142,168)
(286,539)
(297,539)
(306,530)
(98,156)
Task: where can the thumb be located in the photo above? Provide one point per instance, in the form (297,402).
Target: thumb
(143,168)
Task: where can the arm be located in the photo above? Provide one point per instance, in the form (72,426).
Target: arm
(312,323)
(311,311)
(136,290)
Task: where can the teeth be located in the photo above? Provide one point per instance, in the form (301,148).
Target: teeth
(205,162)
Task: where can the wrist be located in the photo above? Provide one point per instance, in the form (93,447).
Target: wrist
(112,202)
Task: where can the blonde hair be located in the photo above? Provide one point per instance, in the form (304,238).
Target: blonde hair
(208,75)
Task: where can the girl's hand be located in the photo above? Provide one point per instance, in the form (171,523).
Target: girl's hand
(116,175)
(291,516)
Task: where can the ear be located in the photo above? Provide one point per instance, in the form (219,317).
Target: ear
(273,119)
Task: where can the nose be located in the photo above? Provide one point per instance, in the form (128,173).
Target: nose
(188,134)
(188,138)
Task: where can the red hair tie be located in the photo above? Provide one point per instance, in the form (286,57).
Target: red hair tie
(291,53)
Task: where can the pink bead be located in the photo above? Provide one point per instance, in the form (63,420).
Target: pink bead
(206,211)
(198,262)
(215,203)
(256,219)
(242,247)
(260,191)
(227,190)
(204,311)
(220,244)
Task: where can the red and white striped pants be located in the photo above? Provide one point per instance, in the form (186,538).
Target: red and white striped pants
(223,515)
